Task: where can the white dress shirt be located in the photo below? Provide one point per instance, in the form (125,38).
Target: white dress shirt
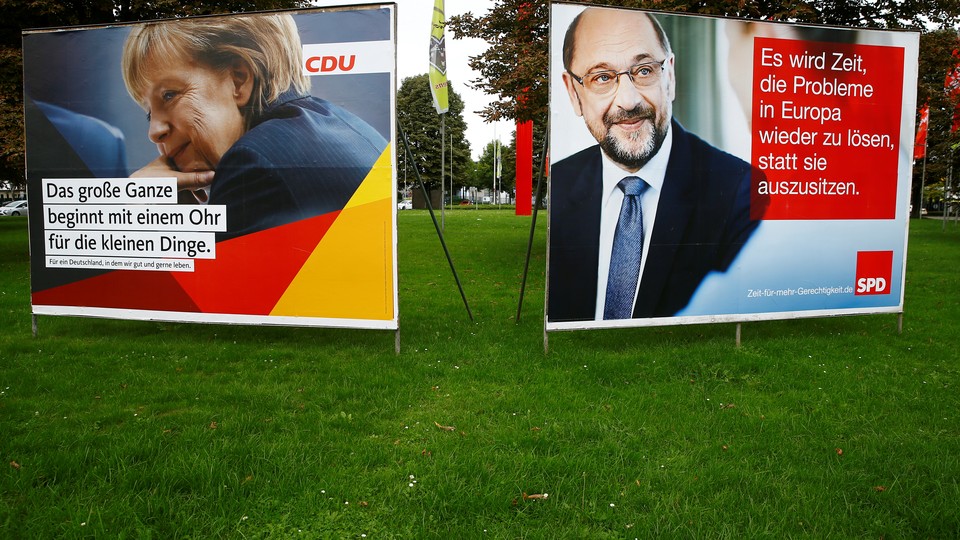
(653,174)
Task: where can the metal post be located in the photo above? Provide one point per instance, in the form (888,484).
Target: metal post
(35,324)
(496,162)
(443,183)
(738,335)
(923,181)
(533,228)
(451,172)
(948,193)
(946,199)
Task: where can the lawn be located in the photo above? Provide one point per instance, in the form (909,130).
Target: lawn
(813,428)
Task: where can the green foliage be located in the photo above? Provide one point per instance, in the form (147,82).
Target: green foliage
(936,59)
(934,192)
(484,167)
(514,67)
(816,428)
(11,116)
(515,63)
(419,120)
(917,14)
(508,153)
(517,31)
(139,10)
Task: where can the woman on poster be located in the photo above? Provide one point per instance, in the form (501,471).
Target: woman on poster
(230,112)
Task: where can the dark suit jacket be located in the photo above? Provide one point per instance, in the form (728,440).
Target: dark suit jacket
(702,222)
(303,157)
(55,131)
(64,144)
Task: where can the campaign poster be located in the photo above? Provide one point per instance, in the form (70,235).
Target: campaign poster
(231,169)
(714,170)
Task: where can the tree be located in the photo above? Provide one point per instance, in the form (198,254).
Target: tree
(508,156)
(18,15)
(11,117)
(514,67)
(912,14)
(485,168)
(936,60)
(515,64)
(139,10)
(483,171)
(421,123)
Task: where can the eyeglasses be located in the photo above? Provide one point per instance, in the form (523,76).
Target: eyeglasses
(603,83)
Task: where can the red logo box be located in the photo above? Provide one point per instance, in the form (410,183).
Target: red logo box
(874,269)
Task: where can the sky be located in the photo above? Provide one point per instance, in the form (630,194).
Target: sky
(413,46)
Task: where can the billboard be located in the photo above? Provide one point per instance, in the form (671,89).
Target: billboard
(709,170)
(230,169)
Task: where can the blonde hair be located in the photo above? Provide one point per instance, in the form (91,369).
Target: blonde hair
(268,44)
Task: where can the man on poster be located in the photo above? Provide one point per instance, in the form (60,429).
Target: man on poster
(640,219)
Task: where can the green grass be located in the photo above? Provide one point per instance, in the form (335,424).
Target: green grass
(814,428)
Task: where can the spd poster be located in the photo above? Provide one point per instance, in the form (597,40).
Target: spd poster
(708,170)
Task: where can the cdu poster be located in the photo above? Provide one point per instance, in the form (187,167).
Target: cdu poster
(231,169)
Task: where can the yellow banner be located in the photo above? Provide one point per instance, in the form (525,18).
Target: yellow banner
(438,60)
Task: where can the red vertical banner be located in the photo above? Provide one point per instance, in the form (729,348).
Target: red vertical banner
(524,167)
(951,87)
(524,149)
(920,143)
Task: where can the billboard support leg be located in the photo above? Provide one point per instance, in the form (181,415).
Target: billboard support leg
(533,228)
(35,325)
(738,335)
(396,341)
(426,197)
(900,323)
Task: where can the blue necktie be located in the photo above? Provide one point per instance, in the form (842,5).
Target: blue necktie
(627,250)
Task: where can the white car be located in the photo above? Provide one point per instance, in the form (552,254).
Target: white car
(405,204)
(14,208)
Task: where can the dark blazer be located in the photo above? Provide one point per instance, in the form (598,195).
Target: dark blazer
(702,222)
(303,157)
(64,144)
(98,145)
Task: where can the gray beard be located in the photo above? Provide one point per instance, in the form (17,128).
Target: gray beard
(633,158)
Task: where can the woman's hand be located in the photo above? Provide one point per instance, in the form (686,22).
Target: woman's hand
(160,168)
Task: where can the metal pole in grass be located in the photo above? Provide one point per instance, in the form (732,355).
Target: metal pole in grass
(426,197)
(946,200)
(443,180)
(923,180)
(947,196)
(533,228)
(546,342)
